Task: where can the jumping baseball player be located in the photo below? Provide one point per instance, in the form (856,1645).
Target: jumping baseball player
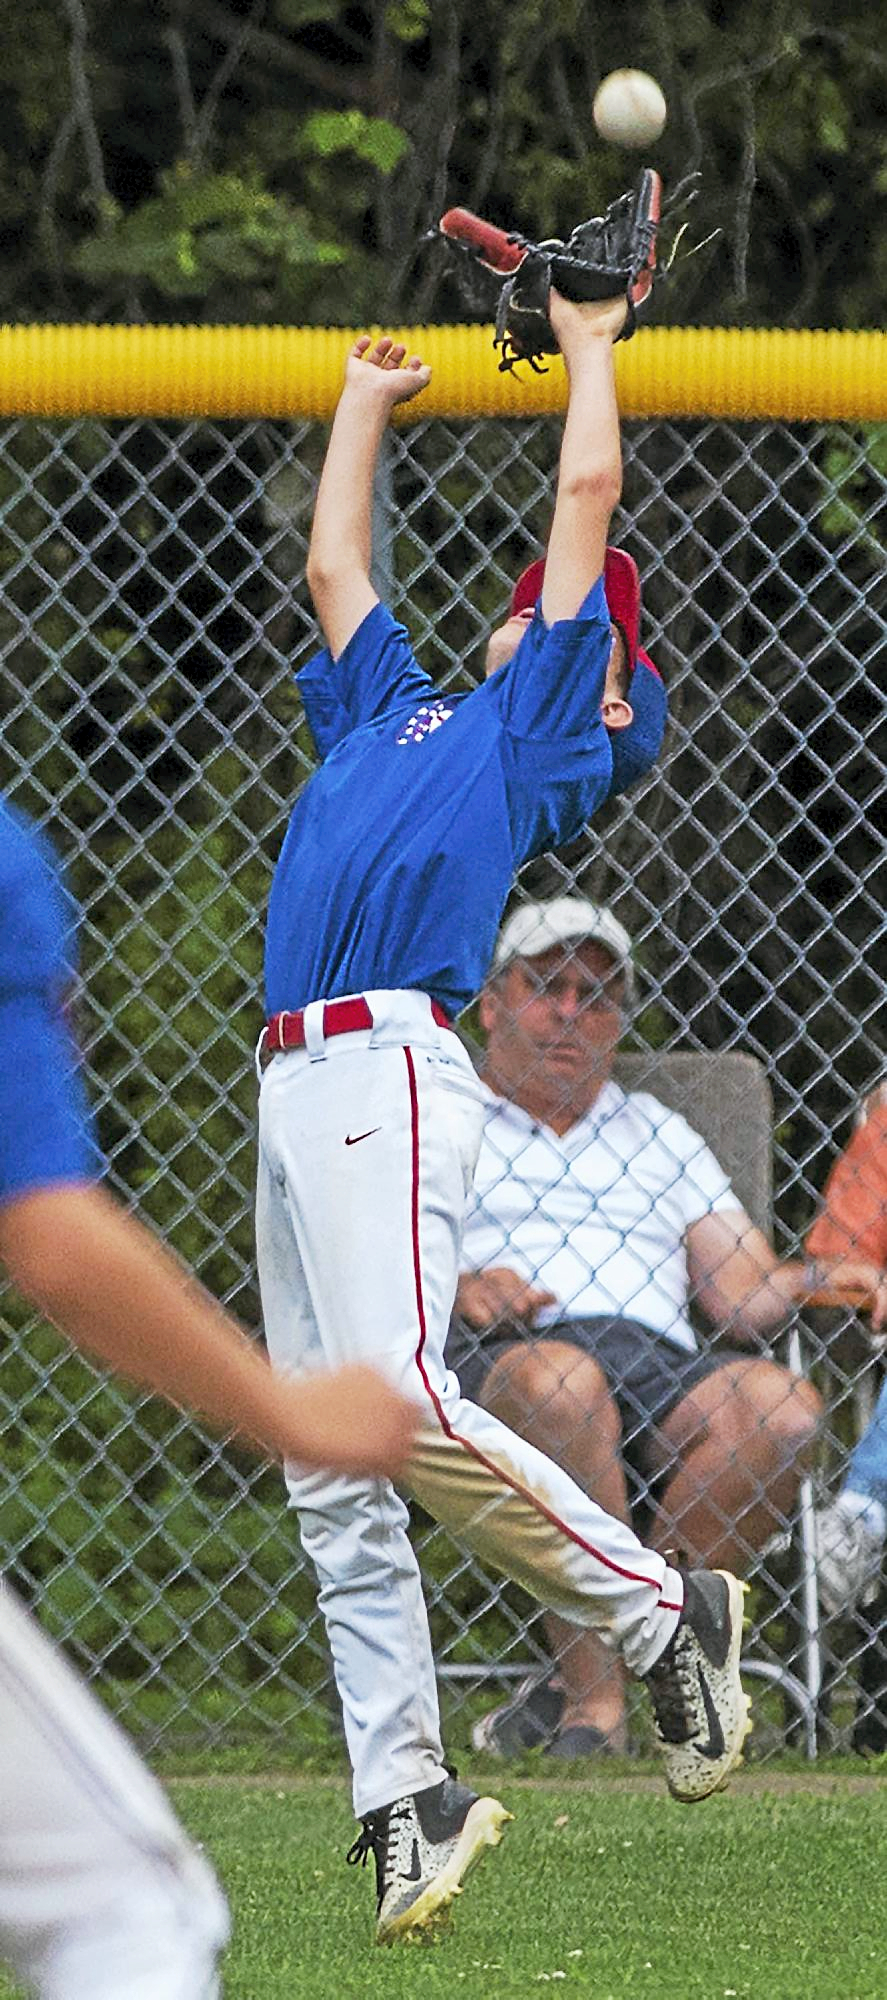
(101,1894)
(383,914)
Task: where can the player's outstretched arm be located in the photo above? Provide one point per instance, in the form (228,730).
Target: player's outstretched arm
(108,1284)
(340,549)
(590,472)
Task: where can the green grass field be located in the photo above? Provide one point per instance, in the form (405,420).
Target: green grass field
(775,1891)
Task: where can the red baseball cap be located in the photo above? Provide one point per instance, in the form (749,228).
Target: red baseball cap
(622,587)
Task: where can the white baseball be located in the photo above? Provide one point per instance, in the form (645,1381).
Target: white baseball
(629,108)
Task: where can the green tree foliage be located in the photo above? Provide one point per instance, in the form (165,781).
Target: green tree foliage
(269,159)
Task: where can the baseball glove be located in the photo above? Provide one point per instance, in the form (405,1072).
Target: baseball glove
(608,255)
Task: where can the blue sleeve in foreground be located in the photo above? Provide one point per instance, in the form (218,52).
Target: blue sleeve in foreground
(46,1132)
(37,916)
(375,672)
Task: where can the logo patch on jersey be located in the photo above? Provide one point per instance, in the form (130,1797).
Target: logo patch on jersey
(426,719)
(355,1138)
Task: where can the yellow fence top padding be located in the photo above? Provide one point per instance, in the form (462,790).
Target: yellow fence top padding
(279,371)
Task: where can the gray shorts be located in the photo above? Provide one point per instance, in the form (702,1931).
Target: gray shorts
(647,1375)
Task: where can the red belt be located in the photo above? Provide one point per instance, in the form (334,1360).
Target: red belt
(340,1017)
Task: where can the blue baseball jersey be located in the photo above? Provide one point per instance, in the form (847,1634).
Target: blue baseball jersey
(45,1129)
(401,851)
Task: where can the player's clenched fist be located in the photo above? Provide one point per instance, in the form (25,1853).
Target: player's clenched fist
(376,369)
(355,1420)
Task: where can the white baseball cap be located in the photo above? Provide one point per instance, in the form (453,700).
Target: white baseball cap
(537,927)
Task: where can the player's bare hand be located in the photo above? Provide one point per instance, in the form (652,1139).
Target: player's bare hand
(355,1421)
(572,323)
(382,370)
(485,1298)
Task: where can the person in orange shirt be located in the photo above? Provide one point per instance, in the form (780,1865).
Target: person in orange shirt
(852,1530)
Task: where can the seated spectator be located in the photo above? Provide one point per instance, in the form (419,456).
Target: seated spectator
(853,1222)
(597,1218)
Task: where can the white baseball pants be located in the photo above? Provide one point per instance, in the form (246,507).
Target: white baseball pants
(368,1143)
(102,1897)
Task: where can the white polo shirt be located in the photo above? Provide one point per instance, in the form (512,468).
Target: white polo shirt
(599,1215)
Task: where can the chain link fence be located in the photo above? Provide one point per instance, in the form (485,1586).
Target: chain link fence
(153,612)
